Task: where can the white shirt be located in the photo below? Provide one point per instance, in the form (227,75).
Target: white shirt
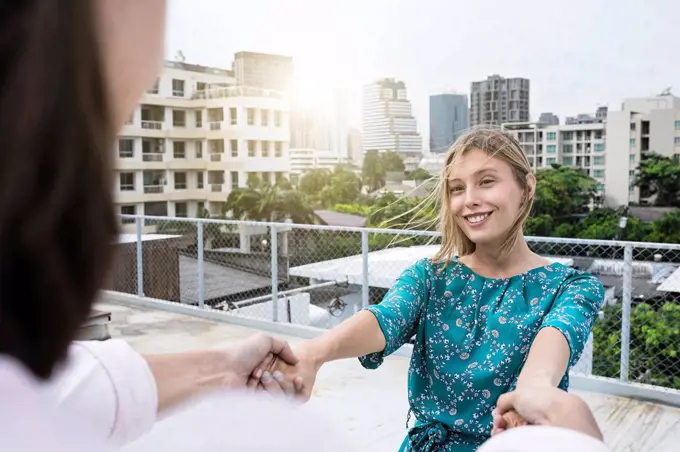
(542,439)
(110,387)
(29,422)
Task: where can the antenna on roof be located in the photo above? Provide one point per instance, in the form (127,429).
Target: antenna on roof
(666,92)
(179,56)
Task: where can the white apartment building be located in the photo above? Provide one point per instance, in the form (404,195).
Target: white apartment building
(193,138)
(388,122)
(578,145)
(643,125)
(304,159)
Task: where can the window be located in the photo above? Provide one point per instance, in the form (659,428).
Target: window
(631,158)
(234,148)
(600,188)
(631,188)
(179,149)
(631,173)
(598,173)
(251,148)
(599,147)
(179,118)
(568,148)
(180,181)
(278,149)
(127,181)
(200,209)
(126,148)
(200,86)
(568,135)
(632,126)
(551,149)
(552,136)
(199,149)
(265,149)
(277,118)
(632,141)
(181,209)
(250,114)
(154,88)
(177,87)
(234,180)
(599,160)
(199,179)
(233,116)
(677,124)
(568,160)
(550,160)
(128,210)
(264,117)
(677,141)
(199,118)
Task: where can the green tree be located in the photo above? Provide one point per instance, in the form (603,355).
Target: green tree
(562,192)
(264,202)
(659,175)
(373,171)
(419,174)
(666,229)
(314,180)
(603,224)
(392,162)
(344,188)
(654,344)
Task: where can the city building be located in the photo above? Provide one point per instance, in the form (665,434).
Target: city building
(304,159)
(388,123)
(195,136)
(641,126)
(499,100)
(262,70)
(448,120)
(578,145)
(549,119)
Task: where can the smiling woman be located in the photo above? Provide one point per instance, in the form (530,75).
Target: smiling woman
(486,314)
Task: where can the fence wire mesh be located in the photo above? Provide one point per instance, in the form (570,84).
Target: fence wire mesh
(321,276)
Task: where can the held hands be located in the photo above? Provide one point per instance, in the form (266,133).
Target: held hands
(279,377)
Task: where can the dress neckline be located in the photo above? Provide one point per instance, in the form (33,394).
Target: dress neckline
(519,275)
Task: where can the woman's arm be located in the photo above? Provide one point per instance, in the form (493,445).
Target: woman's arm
(547,361)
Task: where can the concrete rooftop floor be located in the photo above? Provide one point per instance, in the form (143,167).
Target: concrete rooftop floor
(371,406)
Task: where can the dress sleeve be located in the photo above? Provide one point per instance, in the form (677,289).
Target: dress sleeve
(110,387)
(575,310)
(399,311)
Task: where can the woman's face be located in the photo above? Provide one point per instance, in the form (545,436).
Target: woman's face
(132,34)
(485,197)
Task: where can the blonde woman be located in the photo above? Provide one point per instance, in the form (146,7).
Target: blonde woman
(488,315)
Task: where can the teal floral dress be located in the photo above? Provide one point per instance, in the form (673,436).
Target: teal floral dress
(472,336)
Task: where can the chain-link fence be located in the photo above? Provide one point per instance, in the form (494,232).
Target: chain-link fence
(319,276)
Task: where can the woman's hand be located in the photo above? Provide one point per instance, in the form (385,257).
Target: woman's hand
(278,377)
(546,405)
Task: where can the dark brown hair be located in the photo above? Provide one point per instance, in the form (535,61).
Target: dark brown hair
(56,214)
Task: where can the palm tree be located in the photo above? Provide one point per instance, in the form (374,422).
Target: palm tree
(264,202)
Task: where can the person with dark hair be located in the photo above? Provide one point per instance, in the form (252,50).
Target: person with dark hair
(71,72)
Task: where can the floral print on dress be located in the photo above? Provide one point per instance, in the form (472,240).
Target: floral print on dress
(471,337)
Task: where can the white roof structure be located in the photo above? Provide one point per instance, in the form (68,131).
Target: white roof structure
(384,266)
(132,238)
(672,283)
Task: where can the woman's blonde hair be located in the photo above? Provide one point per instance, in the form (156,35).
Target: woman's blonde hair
(496,143)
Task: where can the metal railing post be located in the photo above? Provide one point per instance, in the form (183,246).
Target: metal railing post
(139,221)
(364,262)
(626,305)
(275,273)
(201,282)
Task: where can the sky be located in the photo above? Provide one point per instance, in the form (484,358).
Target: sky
(578,54)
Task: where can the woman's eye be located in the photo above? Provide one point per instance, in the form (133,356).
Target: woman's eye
(487,182)
(456,189)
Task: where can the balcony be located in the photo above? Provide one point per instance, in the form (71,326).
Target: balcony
(153,188)
(215,300)
(152,156)
(216,125)
(152,125)
(215,157)
(216,188)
